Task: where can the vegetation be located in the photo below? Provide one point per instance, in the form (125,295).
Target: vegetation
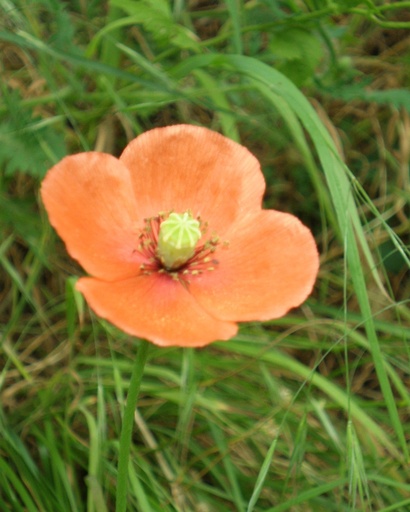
(306,413)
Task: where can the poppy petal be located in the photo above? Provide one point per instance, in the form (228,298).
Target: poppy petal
(269,267)
(90,203)
(186,167)
(157,308)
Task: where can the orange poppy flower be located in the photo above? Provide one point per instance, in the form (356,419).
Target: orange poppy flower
(199,194)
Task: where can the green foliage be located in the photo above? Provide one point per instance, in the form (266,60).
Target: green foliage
(297,53)
(19,216)
(28,143)
(398,98)
(307,413)
(156,18)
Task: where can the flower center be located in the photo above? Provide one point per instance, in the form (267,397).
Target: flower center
(178,236)
(171,244)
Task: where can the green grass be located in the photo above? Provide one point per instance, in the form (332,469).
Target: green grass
(305,413)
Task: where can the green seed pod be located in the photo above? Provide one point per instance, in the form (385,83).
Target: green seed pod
(178,236)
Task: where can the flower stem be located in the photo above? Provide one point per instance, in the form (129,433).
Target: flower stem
(127,425)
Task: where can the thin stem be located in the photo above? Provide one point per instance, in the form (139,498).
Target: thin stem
(127,426)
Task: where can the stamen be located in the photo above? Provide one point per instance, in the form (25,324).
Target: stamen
(169,245)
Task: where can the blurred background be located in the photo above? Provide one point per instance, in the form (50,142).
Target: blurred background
(305,413)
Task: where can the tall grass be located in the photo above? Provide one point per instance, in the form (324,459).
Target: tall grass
(309,412)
